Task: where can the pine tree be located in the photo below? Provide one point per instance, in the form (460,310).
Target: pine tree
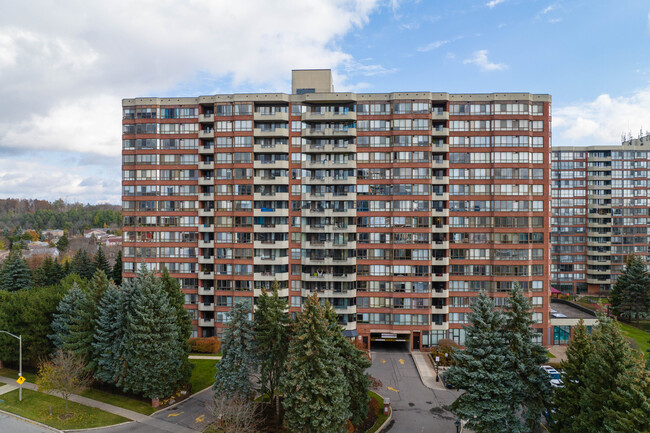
(630,296)
(233,377)
(172,289)
(63,243)
(271,341)
(484,370)
(354,370)
(101,262)
(151,354)
(82,265)
(83,326)
(15,274)
(612,374)
(58,272)
(67,267)
(533,391)
(66,312)
(43,273)
(109,334)
(314,385)
(116,273)
(566,400)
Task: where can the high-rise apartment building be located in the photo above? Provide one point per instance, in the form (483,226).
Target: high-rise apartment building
(397,208)
(600,213)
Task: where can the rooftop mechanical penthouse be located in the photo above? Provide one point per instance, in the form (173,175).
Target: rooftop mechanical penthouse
(396,208)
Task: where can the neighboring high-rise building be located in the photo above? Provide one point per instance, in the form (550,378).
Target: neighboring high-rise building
(600,213)
(397,208)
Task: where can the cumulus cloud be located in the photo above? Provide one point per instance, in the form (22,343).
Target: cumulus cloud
(65,70)
(603,120)
(480,59)
(493,3)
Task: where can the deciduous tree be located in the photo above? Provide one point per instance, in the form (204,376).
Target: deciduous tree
(64,374)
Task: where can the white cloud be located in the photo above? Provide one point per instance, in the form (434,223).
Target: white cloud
(65,70)
(493,3)
(603,120)
(648,22)
(432,46)
(548,9)
(480,59)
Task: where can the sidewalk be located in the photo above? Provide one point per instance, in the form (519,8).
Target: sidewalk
(215,357)
(129,414)
(426,371)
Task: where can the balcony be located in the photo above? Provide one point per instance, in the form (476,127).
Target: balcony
(271,228)
(206,307)
(204,244)
(206,133)
(282,293)
(206,322)
(206,150)
(440,163)
(439,277)
(206,213)
(277,132)
(270,276)
(329,245)
(440,294)
(203,260)
(329,277)
(206,165)
(206,180)
(440,132)
(269,212)
(328,164)
(271,244)
(436,212)
(439,326)
(328,148)
(444,309)
(329,261)
(278,196)
(275,148)
(441,261)
(324,132)
(278,163)
(329,116)
(329,180)
(349,309)
(206,196)
(271,117)
(271,260)
(440,115)
(206,275)
(206,292)
(203,228)
(330,293)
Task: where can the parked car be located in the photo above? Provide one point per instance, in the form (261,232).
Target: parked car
(555,379)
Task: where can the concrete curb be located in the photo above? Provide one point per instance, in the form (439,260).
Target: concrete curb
(390,416)
(98,428)
(191,396)
(31,421)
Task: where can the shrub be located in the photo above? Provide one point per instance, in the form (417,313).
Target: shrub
(205,345)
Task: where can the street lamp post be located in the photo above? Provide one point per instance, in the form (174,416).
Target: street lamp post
(20,364)
(457,424)
(437,362)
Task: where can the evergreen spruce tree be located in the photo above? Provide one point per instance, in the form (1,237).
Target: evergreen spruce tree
(566,400)
(57,272)
(533,391)
(271,342)
(109,334)
(82,265)
(66,312)
(354,370)
(15,274)
(67,267)
(612,374)
(630,296)
(151,354)
(116,273)
(63,243)
(83,326)
(172,289)
(101,262)
(314,386)
(633,403)
(233,377)
(484,370)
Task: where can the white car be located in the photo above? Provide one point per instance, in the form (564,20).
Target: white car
(556,381)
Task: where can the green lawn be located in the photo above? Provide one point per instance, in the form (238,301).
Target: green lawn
(639,336)
(7,372)
(381,418)
(550,355)
(202,374)
(119,400)
(35,406)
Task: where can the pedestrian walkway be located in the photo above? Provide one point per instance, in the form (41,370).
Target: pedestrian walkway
(7,388)
(129,414)
(427,371)
(215,357)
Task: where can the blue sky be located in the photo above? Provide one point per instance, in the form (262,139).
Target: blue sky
(64,71)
